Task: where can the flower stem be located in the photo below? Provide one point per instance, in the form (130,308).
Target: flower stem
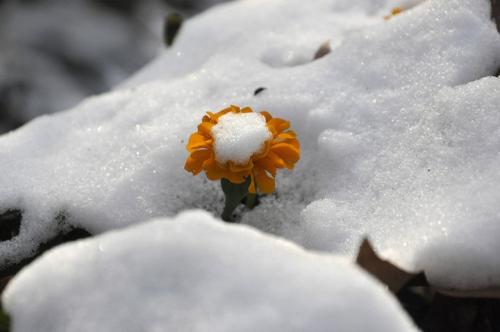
(251,200)
(235,193)
(227,214)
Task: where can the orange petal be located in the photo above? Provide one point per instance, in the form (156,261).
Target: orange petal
(201,154)
(289,153)
(232,108)
(246,110)
(268,165)
(266,115)
(265,183)
(251,188)
(278,124)
(287,137)
(214,172)
(294,142)
(197,141)
(264,151)
(193,165)
(205,128)
(275,159)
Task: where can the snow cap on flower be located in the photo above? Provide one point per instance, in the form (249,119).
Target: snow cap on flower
(238,136)
(236,143)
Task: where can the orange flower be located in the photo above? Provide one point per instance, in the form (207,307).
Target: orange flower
(395,11)
(281,150)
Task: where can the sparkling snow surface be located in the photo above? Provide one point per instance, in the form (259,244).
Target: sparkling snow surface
(194,273)
(238,136)
(399,132)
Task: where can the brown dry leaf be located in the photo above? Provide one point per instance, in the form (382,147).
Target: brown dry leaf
(386,272)
(323,50)
(396,278)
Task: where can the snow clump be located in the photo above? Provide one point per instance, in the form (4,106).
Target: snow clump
(194,273)
(238,136)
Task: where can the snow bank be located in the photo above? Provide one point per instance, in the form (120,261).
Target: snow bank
(398,133)
(196,274)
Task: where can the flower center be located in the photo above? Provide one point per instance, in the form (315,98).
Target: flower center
(238,136)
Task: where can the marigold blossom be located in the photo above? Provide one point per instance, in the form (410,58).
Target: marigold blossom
(237,143)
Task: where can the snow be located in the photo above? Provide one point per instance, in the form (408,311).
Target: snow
(194,273)
(442,200)
(398,127)
(238,136)
(57,53)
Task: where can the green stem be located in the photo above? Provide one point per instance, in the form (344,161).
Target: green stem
(227,214)
(234,193)
(251,200)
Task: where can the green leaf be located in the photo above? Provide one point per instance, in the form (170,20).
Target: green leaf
(251,200)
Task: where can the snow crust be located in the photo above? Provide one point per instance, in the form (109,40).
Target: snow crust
(194,273)
(398,128)
(238,136)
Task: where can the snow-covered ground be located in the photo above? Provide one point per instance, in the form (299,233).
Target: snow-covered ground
(193,273)
(54,53)
(398,126)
